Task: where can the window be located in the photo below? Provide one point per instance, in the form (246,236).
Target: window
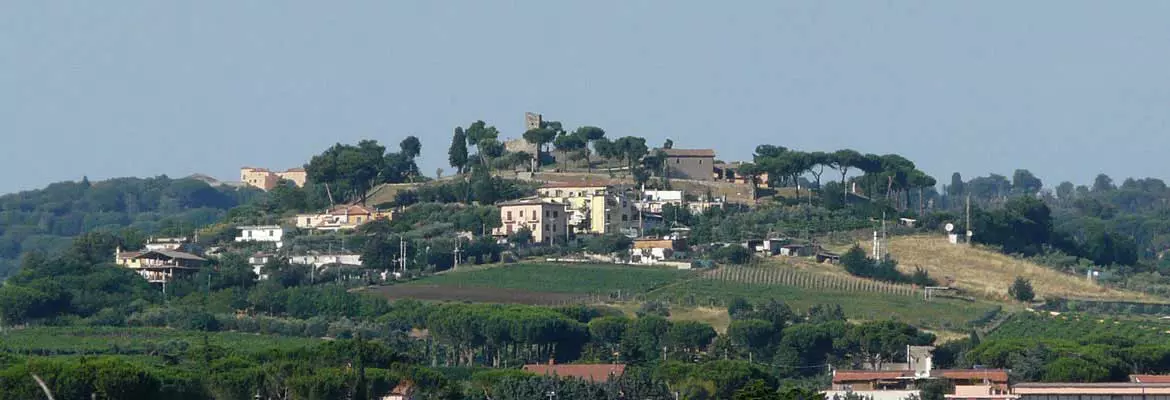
(625,218)
(547,213)
(521,213)
(554,228)
(556,214)
(677,160)
(546,228)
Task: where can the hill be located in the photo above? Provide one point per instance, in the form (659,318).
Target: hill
(986,273)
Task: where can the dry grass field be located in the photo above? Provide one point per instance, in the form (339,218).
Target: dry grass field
(987,273)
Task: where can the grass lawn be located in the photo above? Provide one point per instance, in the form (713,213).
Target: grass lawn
(942,314)
(561,278)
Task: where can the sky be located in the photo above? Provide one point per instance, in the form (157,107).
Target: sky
(1066,89)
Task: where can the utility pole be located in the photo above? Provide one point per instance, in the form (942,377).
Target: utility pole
(969,230)
(402,252)
(456,253)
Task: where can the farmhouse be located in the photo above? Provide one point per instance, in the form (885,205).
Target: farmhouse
(341,218)
(694,164)
(264,179)
(655,250)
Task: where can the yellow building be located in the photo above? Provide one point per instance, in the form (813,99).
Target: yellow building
(546,220)
(597,209)
(266,180)
(341,217)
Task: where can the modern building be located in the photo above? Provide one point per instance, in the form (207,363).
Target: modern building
(593,208)
(318,261)
(167,243)
(694,164)
(1092,391)
(597,373)
(897,381)
(341,218)
(654,200)
(265,179)
(262,233)
(159,266)
(546,220)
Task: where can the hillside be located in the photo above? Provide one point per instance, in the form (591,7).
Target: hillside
(987,273)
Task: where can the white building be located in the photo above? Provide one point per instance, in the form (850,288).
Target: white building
(262,233)
(318,261)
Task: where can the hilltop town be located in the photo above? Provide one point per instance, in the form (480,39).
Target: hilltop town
(594,263)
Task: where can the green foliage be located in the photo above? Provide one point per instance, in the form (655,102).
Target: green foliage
(350,171)
(45,220)
(1021,290)
(733,254)
(610,243)
(562,278)
(857,263)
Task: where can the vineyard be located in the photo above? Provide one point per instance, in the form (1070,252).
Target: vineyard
(1079,327)
(561,278)
(807,280)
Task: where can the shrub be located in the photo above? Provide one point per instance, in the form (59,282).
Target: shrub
(1021,290)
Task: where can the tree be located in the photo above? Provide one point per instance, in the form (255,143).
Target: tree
(457,153)
(1065,192)
(957,187)
(668,144)
(1103,183)
(756,390)
(591,134)
(410,147)
(1024,183)
(569,143)
(348,170)
(1021,290)
(540,137)
(609,243)
(842,160)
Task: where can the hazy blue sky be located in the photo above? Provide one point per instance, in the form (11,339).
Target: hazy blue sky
(140,88)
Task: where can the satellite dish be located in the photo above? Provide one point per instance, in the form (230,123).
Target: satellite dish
(949,227)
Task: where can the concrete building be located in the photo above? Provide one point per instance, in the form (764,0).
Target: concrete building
(265,179)
(1092,391)
(262,233)
(899,381)
(694,164)
(546,220)
(593,208)
(341,218)
(159,266)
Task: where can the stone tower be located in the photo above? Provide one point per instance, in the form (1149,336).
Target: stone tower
(532,121)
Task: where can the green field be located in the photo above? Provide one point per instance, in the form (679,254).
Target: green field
(1077,327)
(561,278)
(945,314)
(135,342)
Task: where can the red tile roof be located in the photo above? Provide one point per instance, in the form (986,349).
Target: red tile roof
(581,184)
(689,152)
(992,375)
(862,376)
(589,372)
(1149,378)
